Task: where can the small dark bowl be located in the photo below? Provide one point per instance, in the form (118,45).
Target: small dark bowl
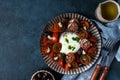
(42,75)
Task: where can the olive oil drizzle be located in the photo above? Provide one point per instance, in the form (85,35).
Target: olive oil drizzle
(109,11)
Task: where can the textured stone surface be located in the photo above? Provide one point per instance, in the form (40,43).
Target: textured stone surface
(21,22)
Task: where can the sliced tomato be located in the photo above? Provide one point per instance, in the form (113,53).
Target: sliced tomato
(85,59)
(61,55)
(85,24)
(92,51)
(93,40)
(45,50)
(70,57)
(67,68)
(52,53)
(75,64)
(55,28)
(85,44)
(57,47)
(46,41)
(60,62)
(73,27)
(56,58)
(77,58)
(83,34)
(55,37)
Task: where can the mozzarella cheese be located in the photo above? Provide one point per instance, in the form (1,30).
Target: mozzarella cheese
(70,42)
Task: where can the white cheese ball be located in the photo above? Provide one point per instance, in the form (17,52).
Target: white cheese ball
(70,42)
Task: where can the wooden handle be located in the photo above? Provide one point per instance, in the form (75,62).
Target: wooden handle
(104,73)
(96,72)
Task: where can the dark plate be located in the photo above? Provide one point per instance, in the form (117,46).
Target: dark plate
(94,32)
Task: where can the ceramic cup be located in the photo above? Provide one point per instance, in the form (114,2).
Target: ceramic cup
(98,12)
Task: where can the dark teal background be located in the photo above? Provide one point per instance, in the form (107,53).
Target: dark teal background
(21,22)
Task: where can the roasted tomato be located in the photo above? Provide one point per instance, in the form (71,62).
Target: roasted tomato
(85,24)
(61,63)
(55,28)
(70,57)
(55,58)
(61,55)
(55,37)
(85,44)
(85,59)
(52,53)
(83,34)
(77,58)
(93,40)
(45,50)
(73,25)
(75,64)
(92,51)
(46,41)
(57,47)
(67,66)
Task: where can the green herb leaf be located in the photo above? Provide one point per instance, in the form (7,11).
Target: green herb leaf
(66,40)
(71,47)
(75,39)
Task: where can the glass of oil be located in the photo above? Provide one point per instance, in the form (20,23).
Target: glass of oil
(108,11)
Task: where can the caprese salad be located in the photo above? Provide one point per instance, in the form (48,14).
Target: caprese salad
(69,43)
